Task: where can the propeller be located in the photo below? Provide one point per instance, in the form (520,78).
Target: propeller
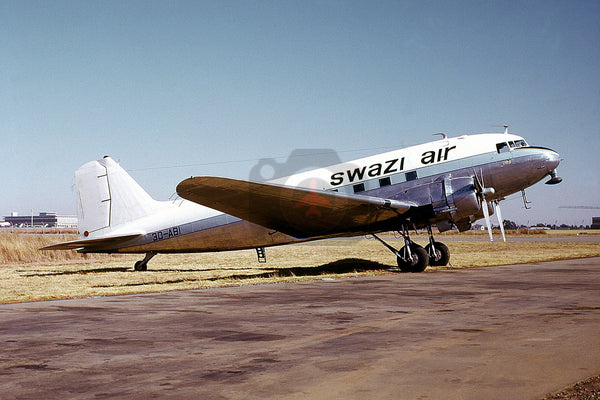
(486,215)
(482,192)
(500,220)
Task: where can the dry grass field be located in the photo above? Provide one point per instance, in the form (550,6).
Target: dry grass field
(27,274)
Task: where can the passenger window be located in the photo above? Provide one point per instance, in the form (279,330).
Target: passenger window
(511,144)
(385,181)
(411,176)
(359,187)
(502,147)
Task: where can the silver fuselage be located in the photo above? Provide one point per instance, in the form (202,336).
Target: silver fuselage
(187,227)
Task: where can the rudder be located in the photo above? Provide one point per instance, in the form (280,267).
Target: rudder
(107,196)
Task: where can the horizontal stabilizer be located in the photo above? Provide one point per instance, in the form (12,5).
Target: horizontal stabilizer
(102,243)
(299,212)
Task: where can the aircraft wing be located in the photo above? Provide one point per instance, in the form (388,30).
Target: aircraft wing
(299,212)
(93,244)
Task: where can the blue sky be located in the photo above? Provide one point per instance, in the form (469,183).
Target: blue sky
(174,89)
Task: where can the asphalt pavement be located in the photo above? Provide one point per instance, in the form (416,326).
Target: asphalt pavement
(509,332)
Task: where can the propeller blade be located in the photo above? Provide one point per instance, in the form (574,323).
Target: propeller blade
(500,220)
(478,182)
(482,192)
(486,214)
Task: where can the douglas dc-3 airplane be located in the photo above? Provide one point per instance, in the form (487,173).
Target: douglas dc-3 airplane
(447,182)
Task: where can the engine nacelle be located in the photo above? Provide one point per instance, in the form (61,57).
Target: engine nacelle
(461,198)
(446,202)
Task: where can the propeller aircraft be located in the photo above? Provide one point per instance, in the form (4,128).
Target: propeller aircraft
(450,182)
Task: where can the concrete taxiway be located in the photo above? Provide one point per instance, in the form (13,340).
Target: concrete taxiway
(496,333)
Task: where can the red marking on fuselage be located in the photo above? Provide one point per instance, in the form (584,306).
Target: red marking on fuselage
(313,200)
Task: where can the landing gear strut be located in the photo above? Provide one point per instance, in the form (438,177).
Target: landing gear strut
(411,257)
(143,264)
(415,258)
(438,252)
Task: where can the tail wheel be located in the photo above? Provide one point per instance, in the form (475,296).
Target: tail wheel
(417,262)
(439,256)
(140,266)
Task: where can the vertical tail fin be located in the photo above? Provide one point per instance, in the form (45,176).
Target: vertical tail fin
(108,197)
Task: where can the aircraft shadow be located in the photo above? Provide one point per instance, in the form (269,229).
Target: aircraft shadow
(82,271)
(345,266)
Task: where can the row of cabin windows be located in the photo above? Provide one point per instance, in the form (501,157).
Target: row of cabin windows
(410,176)
(505,147)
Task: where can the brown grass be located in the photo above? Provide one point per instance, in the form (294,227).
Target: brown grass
(23,247)
(34,278)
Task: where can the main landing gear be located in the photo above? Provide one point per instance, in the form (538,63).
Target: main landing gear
(414,258)
(143,264)
(438,252)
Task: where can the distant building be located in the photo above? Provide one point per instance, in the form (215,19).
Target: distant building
(44,219)
(595,222)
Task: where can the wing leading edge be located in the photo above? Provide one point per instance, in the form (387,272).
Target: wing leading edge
(298,212)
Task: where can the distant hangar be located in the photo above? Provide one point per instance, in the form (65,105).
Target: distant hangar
(44,219)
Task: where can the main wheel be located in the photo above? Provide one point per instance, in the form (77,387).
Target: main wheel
(417,262)
(441,255)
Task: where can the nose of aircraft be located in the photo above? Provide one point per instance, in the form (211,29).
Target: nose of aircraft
(552,159)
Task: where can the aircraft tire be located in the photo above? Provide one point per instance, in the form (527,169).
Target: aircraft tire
(442,255)
(419,260)
(140,266)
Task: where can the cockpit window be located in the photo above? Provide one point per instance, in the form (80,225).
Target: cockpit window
(502,147)
(521,143)
(508,146)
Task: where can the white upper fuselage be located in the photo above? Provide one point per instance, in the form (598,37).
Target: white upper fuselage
(442,154)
